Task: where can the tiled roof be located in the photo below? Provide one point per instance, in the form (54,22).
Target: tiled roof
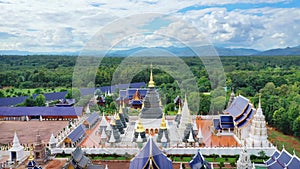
(77,133)
(40,111)
(241,110)
(93,118)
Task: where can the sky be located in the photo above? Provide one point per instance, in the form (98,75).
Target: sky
(61,25)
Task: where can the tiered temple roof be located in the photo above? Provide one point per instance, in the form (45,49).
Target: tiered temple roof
(241,110)
(152,108)
(79,161)
(283,160)
(151,157)
(226,122)
(198,161)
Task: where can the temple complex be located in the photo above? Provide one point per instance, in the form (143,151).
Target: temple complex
(138,127)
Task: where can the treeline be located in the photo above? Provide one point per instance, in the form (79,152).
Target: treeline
(276,78)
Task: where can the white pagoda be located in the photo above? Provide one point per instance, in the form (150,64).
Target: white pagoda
(258,131)
(17,151)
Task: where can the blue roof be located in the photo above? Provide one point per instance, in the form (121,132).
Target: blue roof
(198,162)
(216,124)
(275,165)
(111,89)
(41,111)
(226,122)
(284,157)
(77,133)
(273,157)
(11,101)
(294,163)
(131,92)
(226,119)
(151,152)
(238,106)
(93,118)
(53,96)
(136,102)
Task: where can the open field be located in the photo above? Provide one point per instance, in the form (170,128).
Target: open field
(27,131)
(290,143)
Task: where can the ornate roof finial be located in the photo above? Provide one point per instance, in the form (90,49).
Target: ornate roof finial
(151,82)
(179,109)
(259,101)
(31,158)
(136,95)
(123,103)
(117,116)
(120,109)
(163,124)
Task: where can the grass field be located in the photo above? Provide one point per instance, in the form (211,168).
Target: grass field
(15,92)
(290,143)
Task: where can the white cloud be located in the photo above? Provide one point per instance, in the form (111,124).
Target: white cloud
(68,25)
(261,28)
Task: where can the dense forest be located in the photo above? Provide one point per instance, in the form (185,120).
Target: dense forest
(276,79)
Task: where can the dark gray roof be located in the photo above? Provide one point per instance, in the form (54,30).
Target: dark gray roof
(77,154)
(84,161)
(151,109)
(40,111)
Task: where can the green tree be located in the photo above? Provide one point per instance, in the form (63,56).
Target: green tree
(2,94)
(296,127)
(29,102)
(74,93)
(40,100)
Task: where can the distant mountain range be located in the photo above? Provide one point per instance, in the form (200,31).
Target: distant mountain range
(165,51)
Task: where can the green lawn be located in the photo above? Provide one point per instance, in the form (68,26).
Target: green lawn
(290,142)
(15,92)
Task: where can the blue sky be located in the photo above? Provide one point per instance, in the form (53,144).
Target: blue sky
(54,26)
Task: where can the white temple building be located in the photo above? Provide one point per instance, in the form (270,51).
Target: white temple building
(17,152)
(258,132)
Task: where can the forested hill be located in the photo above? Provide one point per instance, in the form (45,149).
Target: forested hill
(178,51)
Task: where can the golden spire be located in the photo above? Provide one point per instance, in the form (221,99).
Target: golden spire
(123,104)
(117,116)
(140,127)
(113,122)
(120,110)
(189,119)
(31,158)
(151,82)
(179,109)
(163,124)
